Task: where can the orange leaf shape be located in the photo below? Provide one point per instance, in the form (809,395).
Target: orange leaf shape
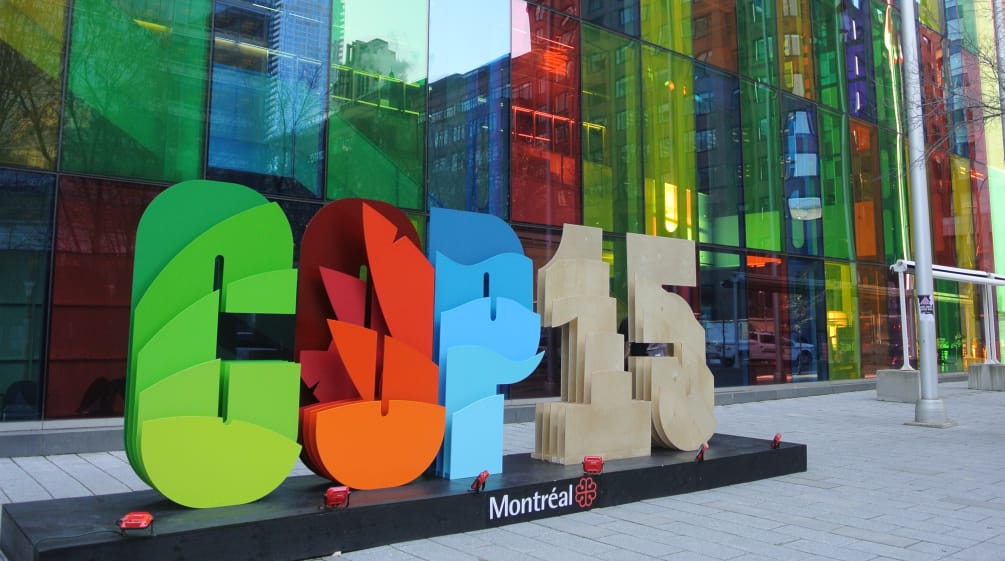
(372,451)
(403,281)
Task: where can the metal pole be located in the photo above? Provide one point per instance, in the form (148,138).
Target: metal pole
(930,410)
(990,334)
(903,321)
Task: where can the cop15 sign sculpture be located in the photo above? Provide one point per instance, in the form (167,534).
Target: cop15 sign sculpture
(402,360)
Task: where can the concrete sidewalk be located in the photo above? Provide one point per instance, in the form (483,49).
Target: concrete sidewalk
(876,489)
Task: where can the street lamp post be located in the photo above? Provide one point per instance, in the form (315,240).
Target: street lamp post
(929,410)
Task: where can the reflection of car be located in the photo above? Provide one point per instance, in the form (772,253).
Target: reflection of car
(762,348)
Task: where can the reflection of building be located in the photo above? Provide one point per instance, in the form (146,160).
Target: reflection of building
(699,120)
(466,149)
(268,94)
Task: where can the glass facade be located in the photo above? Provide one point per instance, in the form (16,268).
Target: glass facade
(770,132)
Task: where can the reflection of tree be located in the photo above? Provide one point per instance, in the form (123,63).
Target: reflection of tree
(106,59)
(29,108)
(298,117)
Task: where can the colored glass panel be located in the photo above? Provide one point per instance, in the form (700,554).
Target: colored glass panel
(96,224)
(835,191)
(270,75)
(612,170)
(671,208)
(767,319)
(896,212)
(667,23)
(966,104)
(723,291)
(26,201)
(963,218)
(996,198)
(858,60)
(801,177)
(718,156)
(842,328)
(619,15)
(755,23)
(137,89)
(961,23)
(31,49)
(930,14)
(933,87)
(545,149)
(795,49)
(972,347)
(804,348)
(941,206)
(879,319)
(762,182)
(867,189)
(829,39)
(983,225)
(949,340)
(713,25)
(468,123)
(377,101)
(886,64)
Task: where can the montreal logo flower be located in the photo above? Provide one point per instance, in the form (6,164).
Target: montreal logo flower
(586,492)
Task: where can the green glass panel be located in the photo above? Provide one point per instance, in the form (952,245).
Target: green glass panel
(671,206)
(842,326)
(137,89)
(762,182)
(887,67)
(667,23)
(829,49)
(377,105)
(31,49)
(755,23)
(795,48)
(834,186)
(612,172)
(930,14)
(948,327)
(896,217)
(996,192)
(867,191)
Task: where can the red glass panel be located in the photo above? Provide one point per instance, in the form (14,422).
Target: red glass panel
(982,216)
(940,187)
(933,87)
(714,30)
(974,116)
(545,117)
(867,189)
(92,278)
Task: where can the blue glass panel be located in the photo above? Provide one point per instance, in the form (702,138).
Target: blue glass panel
(467,134)
(270,76)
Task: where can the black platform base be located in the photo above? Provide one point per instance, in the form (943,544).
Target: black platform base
(290,524)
